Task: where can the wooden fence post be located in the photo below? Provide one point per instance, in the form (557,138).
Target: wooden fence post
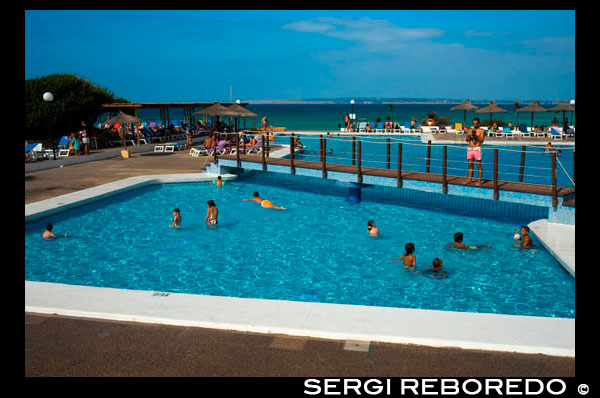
(359,173)
(264,163)
(388,153)
(324,159)
(428,155)
(399,165)
(292,167)
(522,169)
(496,194)
(353,150)
(554,195)
(444,179)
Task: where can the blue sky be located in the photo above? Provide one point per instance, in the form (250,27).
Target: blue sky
(148,56)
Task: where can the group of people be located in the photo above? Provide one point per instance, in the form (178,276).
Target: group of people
(522,241)
(79,141)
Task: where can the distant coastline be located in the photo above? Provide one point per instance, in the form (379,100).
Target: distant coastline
(369,101)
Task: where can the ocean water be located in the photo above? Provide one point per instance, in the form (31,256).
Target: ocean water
(317,250)
(324,117)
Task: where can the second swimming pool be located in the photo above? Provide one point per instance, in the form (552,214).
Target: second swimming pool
(317,251)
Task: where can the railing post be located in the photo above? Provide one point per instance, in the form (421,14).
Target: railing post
(522,164)
(554,195)
(399,165)
(428,155)
(237,151)
(496,194)
(264,163)
(292,167)
(215,147)
(573,166)
(359,171)
(354,149)
(444,179)
(388,153)
(268,145)
(324,159)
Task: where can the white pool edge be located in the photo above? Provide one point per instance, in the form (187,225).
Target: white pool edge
(496,332)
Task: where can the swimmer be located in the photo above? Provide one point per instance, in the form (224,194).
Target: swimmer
(49,234)
(176,219)
(458,238)
(371,228)
(524,240)
(408,257)
(263,202)
(436,269)
(219,182)
(212,213)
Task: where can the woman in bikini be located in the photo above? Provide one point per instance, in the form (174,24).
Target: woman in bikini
(212,213)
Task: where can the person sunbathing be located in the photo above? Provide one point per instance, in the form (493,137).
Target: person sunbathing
(263,202)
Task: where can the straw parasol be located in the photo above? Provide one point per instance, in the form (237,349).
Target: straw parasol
(241,112)
(466,105)
(216,110)
(491,109)
(123,118)
(533,107)
(564,107)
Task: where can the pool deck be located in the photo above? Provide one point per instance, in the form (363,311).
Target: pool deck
(496,340)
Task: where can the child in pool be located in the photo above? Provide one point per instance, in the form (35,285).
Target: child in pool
(263,202)
(212,213)
(458,238)
(409,258)
(524,240)
(219,182)
(176,219)
(371,228)
(436,269)
(49,234)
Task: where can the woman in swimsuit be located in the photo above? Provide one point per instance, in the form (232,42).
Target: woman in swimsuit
(212,213)
(263,202)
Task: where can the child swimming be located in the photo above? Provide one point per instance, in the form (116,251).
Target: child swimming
(436,269)
(371,229)
(176,219)
(49,234)
(212,213)
(409,258)
(219,182)
(263,202)
(458,238)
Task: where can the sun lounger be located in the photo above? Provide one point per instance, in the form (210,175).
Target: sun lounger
(380,127)
(507,132)
(458,127)
(63,146)
(525,133)
(362,127)
(554,133)
(442,129)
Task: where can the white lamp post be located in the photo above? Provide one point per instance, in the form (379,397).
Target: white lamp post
(572,102)
(48,97)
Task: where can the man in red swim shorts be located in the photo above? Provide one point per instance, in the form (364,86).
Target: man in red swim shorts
(474,139)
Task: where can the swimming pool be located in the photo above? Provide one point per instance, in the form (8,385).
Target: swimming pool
(537,167)
(316,251)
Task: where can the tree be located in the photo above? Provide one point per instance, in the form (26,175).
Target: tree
(517,106)
(75,100)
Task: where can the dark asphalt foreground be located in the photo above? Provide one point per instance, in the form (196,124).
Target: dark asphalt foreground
(64,346)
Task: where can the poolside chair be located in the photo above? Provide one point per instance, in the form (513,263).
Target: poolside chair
(570,132)
(554,133)
(442,129)
(418,128)
(525,133)
(397,128)
(362,126)
(63,146)
(458,127)
(221,149)
(256,148)
(379,127)
(32,152)
(172,146)
(507,132)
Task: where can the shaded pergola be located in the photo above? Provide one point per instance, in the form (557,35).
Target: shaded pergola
(534,107)
(491,109)
(217,110)
(465,106)
(242,112)
(123,118)
(564,107)
(189,108)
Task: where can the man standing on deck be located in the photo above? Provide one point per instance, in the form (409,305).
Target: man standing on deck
(475,137)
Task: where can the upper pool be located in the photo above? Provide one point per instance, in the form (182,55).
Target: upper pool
(317,250)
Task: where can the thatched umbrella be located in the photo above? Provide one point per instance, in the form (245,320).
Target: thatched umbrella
(216,109)
(491,109)
(242,112)
(466,105)
(533,107)
(123,118)
(564,107)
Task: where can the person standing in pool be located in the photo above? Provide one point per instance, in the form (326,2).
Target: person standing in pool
(474,139)
(524,240)
(263,202)
(410,261)
(436,269)
(371,229)
(219,182)
(176,219)
(49,234)
(212,213)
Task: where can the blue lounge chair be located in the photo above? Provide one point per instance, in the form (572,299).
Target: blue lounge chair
(63,146)
(507,132)
(555,133)
(380,127)
(524,133)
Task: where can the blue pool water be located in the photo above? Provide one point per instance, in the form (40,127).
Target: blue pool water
(537,167)
(317,251)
